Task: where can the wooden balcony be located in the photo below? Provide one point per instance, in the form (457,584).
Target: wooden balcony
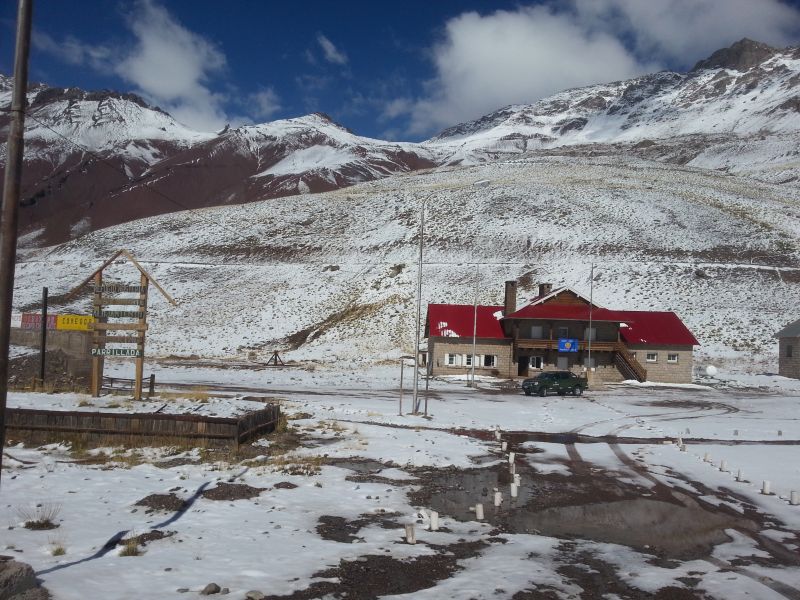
(553,345)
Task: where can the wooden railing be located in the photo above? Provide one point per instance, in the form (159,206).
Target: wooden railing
(532,344)
(628,364)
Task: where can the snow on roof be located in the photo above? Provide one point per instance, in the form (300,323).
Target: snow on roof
(791,330)
(458,320)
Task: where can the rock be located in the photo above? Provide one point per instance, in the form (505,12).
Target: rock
(254,595)
(16,578)
(182,590)
(224,591)
(211,588)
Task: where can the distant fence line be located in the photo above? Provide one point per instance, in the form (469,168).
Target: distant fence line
(138,428)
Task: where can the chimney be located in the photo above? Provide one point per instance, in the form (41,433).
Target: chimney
(544,289)
(510,304)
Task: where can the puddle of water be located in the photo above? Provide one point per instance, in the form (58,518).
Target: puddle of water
(595,507)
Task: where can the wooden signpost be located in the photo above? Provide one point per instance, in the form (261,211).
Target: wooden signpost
(109,320)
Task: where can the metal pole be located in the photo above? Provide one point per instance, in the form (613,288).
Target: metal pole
(43,341)
(591,300)
(400,405)
(8,225)
(474,324)
(419,309)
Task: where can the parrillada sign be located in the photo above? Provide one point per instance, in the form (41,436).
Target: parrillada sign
(130,352)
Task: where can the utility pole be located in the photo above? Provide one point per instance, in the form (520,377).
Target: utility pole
(475,323)
(11,186)
(591,305)
(419,310)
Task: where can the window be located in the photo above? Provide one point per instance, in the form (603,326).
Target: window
(563,332)
(451,360)
(489,360)
(468,360)
(536,332)
(672,358)
(789,351)
(652,357)
(590,334)
(537,362)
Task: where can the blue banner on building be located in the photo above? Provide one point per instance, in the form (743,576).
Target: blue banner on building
(567,345)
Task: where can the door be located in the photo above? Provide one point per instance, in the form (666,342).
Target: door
(522,366)
(562,363)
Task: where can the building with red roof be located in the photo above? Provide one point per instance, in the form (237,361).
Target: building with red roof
(558,330)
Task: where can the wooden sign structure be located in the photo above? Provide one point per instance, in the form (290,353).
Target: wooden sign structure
(106,327)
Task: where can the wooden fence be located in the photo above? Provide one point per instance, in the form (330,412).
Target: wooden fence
(142,429)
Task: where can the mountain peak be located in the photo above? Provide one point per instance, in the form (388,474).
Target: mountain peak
(740,56)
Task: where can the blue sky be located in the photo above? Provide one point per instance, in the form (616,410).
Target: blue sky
(388,70)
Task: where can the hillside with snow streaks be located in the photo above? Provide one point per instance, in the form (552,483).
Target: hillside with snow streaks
(328,277)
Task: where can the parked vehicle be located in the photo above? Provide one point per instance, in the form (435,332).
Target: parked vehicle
(561,382)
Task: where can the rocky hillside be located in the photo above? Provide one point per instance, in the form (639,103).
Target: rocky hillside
(328,277)
(738,111)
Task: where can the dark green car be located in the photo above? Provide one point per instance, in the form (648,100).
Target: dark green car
(560,382)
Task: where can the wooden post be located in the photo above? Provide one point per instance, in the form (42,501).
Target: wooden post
(137,393)
(43,340)
(97,361)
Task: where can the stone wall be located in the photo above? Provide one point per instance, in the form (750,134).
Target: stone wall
(789,366)
(75,344)
(440,347)
(662,370)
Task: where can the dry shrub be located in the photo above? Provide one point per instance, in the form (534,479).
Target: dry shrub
(130,548)
(40,517)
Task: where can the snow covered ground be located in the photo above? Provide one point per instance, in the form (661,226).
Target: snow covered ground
(274,542)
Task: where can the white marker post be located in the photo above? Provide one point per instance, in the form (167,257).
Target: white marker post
(498,498)
(479,511)
(411,537)
(794,498)
(504,446)
(434,521)
(739,475)
(765,487)
(723,466)
(511,456)
(513,490)
(517,479)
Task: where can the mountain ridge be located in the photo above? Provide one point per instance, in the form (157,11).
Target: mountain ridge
(742,120)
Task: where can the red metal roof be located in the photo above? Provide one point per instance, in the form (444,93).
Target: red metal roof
(641,327)
(457,320)
(655,328)
(566,312)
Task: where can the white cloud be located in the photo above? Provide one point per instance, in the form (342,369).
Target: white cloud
(332,53)
(75,52)
(265,103)
(172,66)
(684,31)
(509,57)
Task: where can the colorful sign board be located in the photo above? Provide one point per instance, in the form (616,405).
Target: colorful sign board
(567,345)
(65,322)
(34,321)
(74,322)
(127,352)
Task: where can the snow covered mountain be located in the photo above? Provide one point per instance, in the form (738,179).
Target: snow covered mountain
(138,161)
(736,98)
(736,111)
